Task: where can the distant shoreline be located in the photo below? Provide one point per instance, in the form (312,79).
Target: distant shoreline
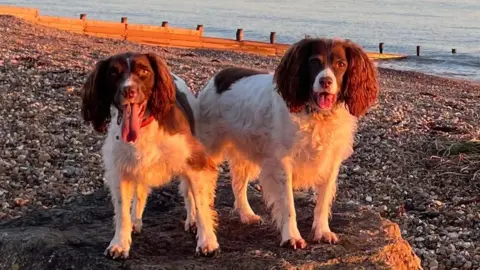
(413,26)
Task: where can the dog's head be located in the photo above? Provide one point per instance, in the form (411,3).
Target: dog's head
(138,85)
(321,73)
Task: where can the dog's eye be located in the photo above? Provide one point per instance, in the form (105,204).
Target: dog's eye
(143,72)
(341,64)
(315,62)
(114,73)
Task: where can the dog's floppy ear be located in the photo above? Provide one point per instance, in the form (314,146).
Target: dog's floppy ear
(292,76)
(163,92)
(361,83)
(97,97)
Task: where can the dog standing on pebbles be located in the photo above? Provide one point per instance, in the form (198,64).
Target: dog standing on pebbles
(149,140)
(292,129)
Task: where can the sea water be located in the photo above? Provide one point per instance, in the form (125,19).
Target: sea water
(436,25)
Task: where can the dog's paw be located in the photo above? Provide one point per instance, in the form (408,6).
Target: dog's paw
(137,226)
(207,247)
(118,249)
(250,219)
(294,243)
(325,237)
(191,227)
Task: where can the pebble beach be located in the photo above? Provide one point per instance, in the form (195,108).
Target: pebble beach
(416,161)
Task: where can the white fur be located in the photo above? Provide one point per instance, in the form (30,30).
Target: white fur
(128,82)
(250,126)
(132,169)
(333,89)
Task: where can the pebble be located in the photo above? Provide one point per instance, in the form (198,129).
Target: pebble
(451,248)
(44,157)
(452,235)
(468,265)
(369,199)
(419,239)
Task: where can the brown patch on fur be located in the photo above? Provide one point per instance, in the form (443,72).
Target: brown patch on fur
(179,120)
(225,78)
(292,75)
(361,81)
(96,98)
(198,159)
(175,121)
(163,93)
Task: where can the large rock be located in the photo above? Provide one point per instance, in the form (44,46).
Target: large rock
(75,236)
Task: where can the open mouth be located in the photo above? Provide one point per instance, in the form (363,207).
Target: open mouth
(133,114)
(325,101)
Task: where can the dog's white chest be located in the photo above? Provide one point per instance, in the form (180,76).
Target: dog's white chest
(152,155)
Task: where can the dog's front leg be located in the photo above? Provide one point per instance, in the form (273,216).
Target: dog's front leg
(326,188)
(138,206)
(276,180)
(122,191)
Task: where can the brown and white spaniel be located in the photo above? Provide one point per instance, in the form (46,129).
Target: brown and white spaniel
(149,140)
(292,128)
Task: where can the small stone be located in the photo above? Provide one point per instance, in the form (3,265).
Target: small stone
(468,265)
(451,249)
(5,205)
(437,202)
(44,157)
(433,264)
(466,245)
(356,168)
(452,235)
(419,239)
(382,208)
(369,199)
(21,202)
(21,157)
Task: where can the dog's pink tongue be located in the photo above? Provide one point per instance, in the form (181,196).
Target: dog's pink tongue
(325,101)
(130,123)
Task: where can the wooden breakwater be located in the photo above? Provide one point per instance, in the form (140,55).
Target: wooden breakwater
(162,35)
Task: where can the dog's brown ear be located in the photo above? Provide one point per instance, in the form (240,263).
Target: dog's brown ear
(292,76)
(163,92)
(97,97)
(361,83)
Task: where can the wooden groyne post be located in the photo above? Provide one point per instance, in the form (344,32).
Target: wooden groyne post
(273,37)
(418,50)
(163,35)
(239,35)
(380,47)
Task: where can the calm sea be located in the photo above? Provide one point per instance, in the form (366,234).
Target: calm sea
(436,25)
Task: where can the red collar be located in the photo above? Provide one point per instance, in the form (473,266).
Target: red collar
(147,121)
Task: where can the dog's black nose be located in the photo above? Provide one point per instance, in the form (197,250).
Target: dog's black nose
(325,82)
(129,92)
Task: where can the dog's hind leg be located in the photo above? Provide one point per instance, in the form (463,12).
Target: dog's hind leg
(242,171)
(189,200)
